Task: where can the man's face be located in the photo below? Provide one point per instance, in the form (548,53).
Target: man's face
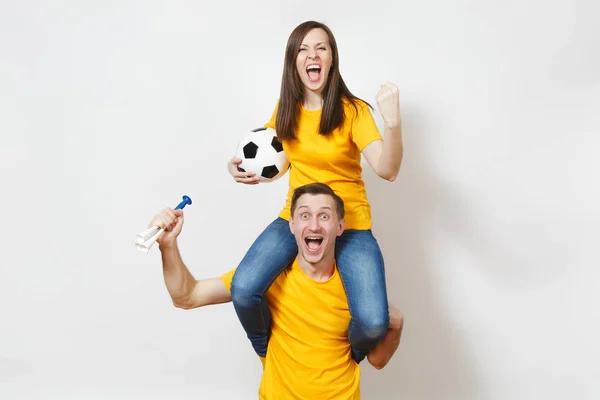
(316,226)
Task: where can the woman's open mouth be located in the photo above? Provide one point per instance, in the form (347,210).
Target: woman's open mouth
(314,72)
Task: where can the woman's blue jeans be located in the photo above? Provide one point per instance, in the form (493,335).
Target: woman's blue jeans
(359,261)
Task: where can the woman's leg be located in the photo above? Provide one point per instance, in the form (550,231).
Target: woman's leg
(273,250)
(361,267)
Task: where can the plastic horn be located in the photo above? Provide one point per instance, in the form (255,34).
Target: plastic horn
(146,238)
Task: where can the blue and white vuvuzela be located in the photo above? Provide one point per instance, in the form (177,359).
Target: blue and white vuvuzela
(145,239)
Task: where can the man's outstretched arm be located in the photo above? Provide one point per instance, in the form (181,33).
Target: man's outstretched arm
(185,291)
(383,352)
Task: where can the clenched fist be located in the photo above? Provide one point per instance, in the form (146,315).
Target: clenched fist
(172,222)
(388,102)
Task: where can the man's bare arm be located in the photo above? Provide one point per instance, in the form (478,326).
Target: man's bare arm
(185,291)
(383,352)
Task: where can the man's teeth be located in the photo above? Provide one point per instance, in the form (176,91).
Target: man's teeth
(313,242)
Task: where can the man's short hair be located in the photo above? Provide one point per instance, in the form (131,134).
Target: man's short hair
(318,188)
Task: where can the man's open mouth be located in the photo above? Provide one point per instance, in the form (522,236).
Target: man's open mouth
(313,242)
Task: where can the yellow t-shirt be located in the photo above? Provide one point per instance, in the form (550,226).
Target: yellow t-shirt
(332,159)
(308,356)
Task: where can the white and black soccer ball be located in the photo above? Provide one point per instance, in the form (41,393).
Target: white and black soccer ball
(262,153)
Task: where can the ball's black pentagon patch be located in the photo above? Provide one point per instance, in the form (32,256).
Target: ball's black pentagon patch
(250,150)
(276,144)
(269,171)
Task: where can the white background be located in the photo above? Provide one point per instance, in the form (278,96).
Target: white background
(112,110)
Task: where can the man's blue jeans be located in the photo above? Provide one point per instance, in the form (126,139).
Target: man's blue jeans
(359,261)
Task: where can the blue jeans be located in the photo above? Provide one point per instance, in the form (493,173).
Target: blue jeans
(359,261)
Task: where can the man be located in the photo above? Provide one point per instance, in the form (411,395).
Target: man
(309,355)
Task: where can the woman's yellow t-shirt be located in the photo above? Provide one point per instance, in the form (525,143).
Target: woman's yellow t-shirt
(308,355)
(333,159)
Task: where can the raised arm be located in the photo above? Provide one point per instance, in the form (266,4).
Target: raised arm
(383,352)
(385,156)
(185,291)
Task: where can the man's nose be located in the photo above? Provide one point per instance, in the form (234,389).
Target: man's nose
(313,224)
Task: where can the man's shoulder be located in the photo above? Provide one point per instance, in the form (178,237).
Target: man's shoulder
(285,275)
(227,277)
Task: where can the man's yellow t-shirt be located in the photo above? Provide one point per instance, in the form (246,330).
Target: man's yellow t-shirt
(333,159)
(308,356)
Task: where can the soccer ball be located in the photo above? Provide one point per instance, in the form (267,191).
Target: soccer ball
(262,153)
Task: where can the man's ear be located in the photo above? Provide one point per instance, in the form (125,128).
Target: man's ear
(291,225)
(342,226)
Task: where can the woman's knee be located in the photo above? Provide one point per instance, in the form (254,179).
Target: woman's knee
(266,258)
(371,326)
(245,293)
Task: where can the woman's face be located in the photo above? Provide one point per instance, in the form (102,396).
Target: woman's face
(314,60)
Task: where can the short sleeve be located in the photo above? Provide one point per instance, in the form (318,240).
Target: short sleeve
(227,277)
(271,123)
(364,129)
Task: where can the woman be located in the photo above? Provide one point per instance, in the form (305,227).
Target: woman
(324,129)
